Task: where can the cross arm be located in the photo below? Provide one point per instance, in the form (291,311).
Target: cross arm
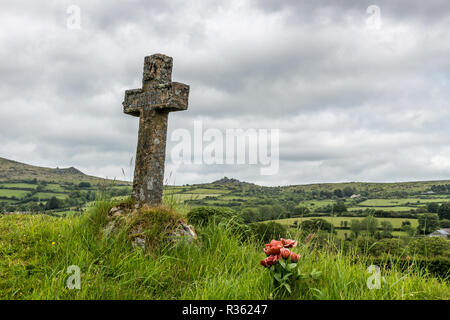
(172,97)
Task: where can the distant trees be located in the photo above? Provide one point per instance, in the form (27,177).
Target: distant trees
(250,215)
(433,207)
(368,225)
(264,213)
(428,222)
(355,227)
(408,228)
(84,185)
(406,223)
(290,206)
(301,210)
(324,194)
(271,212)
(268,231)
(203,216)
(444,210)
(53,203)
(339,207)
(445,223)
(348,191)
(386,229)
(338,193)
(314,225)
(442,189)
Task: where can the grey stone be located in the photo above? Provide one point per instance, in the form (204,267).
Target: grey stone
(152,103)
(139,242)
(184,232)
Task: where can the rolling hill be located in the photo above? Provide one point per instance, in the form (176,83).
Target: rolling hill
(28,188)
(25,187)
(16,171)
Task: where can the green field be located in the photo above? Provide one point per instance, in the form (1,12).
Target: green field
(48,195)
(336,221)
(396,209)
(406,199)
(191,196)
(317,203)
(55,187)
(13,193)
(400,202)
(18,186)
(389,204)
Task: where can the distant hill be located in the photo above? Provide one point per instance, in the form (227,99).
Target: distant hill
(231,181)
(12,170)
(408,187)
(26,188)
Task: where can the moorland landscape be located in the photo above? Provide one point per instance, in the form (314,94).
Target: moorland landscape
(56,217)
(308,141)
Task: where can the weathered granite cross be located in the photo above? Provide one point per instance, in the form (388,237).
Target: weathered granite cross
(158,96)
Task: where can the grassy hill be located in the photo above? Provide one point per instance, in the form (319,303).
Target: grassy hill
(37,250)
(403,199)
(27,188)
(12,170)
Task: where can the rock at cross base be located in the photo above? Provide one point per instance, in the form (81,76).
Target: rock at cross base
(177,232)
(152,104)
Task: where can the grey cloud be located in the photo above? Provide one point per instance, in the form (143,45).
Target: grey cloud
(351,103)
(403,10)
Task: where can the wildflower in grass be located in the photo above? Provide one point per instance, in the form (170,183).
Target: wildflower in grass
(309,237)
(53,243)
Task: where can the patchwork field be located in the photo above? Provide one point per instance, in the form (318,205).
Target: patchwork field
(336,221)
(400,202)
(7,193)
(34,195)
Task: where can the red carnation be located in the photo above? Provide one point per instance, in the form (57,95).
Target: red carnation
(273,247)
(270,260)
(285,253)
(288,243)
(294,257)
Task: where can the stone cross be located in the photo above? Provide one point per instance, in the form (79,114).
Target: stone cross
(158,96)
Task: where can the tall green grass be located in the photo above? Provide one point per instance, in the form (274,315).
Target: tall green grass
(219,265)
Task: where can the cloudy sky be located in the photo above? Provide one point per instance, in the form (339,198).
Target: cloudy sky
(357,94)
